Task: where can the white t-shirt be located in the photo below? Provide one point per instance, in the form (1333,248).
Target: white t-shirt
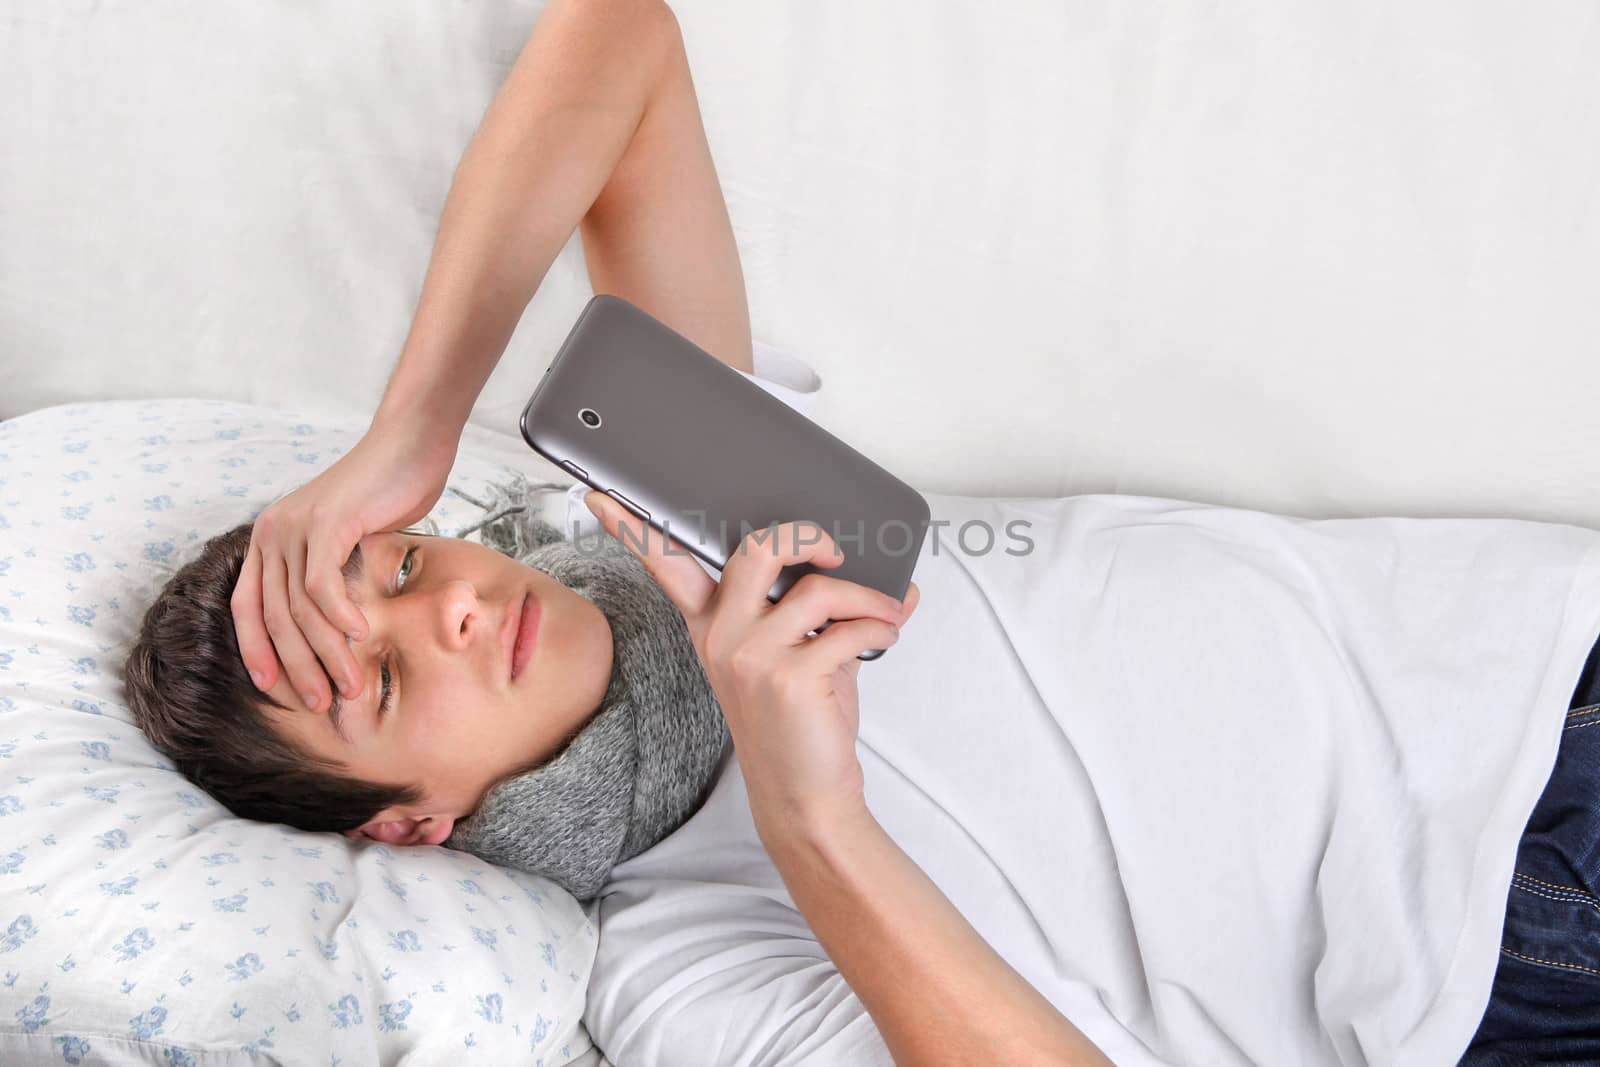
(1224,786)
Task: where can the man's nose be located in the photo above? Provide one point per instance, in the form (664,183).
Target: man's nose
(458,614)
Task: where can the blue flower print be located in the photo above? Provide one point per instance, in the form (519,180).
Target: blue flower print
(233,903)
(244,967)
(33,1016)
(148,1024)
(20,930)
(489,1007)
(260,1043)
(73,1048)
(405,941)
(347,1012)
(80,615)
(134,945)
(394,1015)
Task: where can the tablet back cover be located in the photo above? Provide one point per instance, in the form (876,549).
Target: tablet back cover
(701,451)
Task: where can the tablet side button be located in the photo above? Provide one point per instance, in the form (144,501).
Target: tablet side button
(630,505)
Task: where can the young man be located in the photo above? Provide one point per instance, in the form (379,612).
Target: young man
(597,128)
(1222,786)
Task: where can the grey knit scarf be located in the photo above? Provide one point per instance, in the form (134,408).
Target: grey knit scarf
(644,762)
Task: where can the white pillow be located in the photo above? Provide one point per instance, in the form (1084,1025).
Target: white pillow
(141,922)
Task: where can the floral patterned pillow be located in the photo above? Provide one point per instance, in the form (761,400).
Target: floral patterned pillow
(140,922)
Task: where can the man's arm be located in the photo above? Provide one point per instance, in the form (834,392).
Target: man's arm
(938,993)
(597,124)
(580,127)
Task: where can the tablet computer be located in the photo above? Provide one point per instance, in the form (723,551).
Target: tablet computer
(637,411)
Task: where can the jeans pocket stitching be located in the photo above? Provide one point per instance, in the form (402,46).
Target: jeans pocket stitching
(1569,894)
(1549,963)
(1583,710)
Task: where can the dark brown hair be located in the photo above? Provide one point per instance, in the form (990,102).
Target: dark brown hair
(190,693)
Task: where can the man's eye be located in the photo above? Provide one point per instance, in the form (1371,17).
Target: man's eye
(405,570)
(387,691)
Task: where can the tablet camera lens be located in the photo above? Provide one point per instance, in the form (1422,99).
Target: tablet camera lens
(590,417)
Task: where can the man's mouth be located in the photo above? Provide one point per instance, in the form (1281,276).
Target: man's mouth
(524,634)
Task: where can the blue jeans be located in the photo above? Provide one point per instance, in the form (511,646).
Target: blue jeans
(1545,1004)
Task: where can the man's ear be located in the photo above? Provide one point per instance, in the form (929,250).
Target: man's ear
(402,830)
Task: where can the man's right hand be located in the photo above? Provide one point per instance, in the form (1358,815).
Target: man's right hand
(290,603)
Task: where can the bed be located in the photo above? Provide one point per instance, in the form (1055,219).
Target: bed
(1317,258)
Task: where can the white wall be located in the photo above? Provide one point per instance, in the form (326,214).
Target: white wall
(1321,258)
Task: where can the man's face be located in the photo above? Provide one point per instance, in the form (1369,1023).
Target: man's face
(441,613)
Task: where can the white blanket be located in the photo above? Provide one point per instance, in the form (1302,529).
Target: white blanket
(1226,787)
